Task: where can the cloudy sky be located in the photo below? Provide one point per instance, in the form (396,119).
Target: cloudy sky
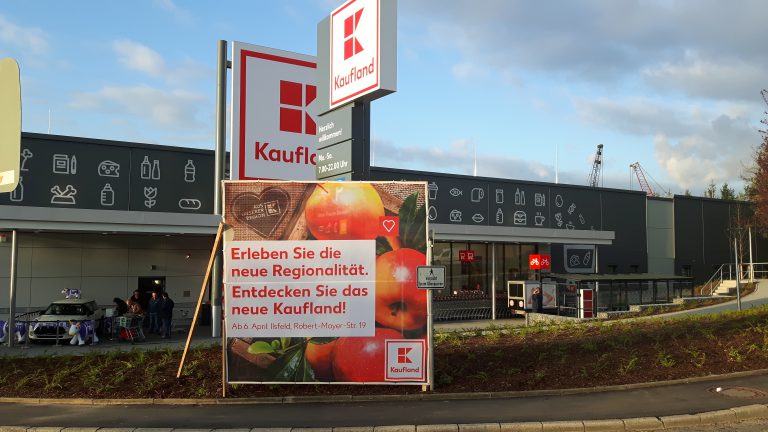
(523,89)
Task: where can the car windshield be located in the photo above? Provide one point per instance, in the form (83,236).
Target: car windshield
(65,309)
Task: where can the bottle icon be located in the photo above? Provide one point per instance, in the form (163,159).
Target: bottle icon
(155,169)
(107,195)
(17,195)
(499,217)
(519,197)
(146,167)
(499,196)
(189,171)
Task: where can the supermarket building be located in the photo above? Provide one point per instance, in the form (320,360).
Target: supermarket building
(112,217)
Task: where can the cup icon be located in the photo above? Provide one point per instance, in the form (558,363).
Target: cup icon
(432,189)
(477,194)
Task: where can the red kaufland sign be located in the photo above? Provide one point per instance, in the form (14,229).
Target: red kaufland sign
(354,50)
(273,114)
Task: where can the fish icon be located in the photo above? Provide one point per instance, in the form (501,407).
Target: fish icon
(455,192)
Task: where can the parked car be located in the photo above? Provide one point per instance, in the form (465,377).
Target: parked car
(55,320)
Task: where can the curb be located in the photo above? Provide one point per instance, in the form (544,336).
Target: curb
(379,398)
(748,412)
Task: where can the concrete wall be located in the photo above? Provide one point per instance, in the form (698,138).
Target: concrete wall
(102,266)
(660,225)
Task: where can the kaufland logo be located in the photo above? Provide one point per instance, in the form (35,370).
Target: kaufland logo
(295,97)
(406,360)
(351,44)
(354,50)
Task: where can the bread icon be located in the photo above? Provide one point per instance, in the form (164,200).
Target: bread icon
(190,204)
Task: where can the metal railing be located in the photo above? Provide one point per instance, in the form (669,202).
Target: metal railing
(728,271)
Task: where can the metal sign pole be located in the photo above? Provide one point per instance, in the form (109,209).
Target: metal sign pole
(220,154)
(738,275)
(12,309)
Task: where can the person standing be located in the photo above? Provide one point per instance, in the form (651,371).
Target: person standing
(537,300)
(154,313)
(166,314)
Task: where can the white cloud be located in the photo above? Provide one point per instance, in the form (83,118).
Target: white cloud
(694,145)
(458,157)
(138,57)
(141,58)
(179,13)
(171,110)
(606,42)
(706,78)
(24,38)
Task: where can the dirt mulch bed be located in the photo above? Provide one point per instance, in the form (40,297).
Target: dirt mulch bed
(533,358)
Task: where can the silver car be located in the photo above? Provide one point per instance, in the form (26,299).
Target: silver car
(54,322)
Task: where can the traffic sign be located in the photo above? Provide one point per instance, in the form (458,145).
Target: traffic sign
(430,277)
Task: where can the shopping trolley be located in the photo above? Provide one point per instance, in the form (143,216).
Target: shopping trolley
(129,328)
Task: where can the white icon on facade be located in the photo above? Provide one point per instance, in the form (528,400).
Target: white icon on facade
(477,217)
(539,219)
(570,226)
(571,208)
(107,196)
(26,154)
(587,258)
(559,201)
(477,194)
(581,219)
(17,195)
(455,192)
(432,213)
(499,196)
(189,171)
(108,168)
(150,170)
(520,218)
(559,219)
(432,188)
(455,216)
(519,197)
(539,200)
(499,217)
(66,197)
(64,164)
(574,260)
(190,204)
(150,193)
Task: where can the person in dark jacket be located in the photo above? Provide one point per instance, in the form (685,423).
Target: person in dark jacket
(154,313)
(166,314)
(537,300)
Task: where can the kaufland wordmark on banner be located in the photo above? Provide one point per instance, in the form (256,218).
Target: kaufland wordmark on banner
(354,51)
(273,114)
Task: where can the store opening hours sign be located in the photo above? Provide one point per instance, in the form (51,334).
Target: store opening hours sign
(321,280)
(304,288)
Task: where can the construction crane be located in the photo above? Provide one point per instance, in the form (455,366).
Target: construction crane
(642,179)
(594,176)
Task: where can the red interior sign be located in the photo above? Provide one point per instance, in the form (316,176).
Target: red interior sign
(467,256)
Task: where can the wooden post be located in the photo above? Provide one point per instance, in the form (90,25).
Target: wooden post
(200,299)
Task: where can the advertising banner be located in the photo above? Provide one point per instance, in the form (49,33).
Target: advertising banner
(321,282)
(273,114)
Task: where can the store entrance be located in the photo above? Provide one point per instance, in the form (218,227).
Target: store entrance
(148,285)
